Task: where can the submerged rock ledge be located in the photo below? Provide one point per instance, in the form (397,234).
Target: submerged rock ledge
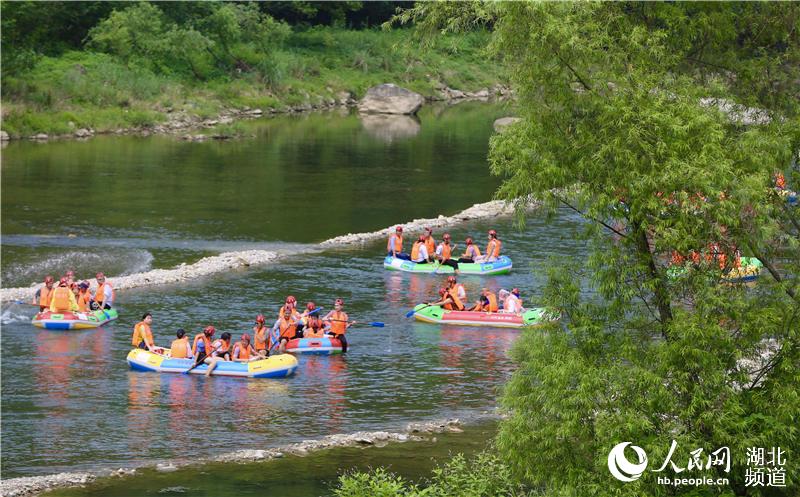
(234,260)
(34,485)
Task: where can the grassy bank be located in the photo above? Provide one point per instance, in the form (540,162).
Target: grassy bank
(91,89)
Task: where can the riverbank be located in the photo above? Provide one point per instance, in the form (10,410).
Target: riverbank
(432,437)
(242,259)
(82,93)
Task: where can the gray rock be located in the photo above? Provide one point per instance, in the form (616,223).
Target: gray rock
(501,124)
(4,136)
(40,136)
(390,99)
(484,93)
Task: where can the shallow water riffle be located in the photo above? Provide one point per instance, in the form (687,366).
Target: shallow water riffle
(314,474)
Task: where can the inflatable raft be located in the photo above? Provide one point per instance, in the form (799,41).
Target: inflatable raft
(319,346)
(73,320)
(501,266)
(279,366)
(435,314)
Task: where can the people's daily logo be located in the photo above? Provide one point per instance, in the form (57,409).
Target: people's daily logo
(619,465)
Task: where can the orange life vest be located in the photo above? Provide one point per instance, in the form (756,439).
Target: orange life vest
(260,343)
(492,306)
(338,322)
(83,301)
(142,332)
(447,251)
(677,258)
(220,346)
(430,244)
(287,328)
(61,299)
(415,251)
(45,295)
(473,251)
(100,294)
(180,348)
(244,351)
(493,248)
(456,305)
(780,181)
(398,243)
(206,341)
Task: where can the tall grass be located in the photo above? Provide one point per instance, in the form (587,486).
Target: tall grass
(90,89)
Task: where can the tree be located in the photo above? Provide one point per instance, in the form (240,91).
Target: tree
(662,124)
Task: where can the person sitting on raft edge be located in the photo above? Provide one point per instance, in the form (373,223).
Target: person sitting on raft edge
(419,252)
(449,300)
(471,252)
(492,248)
(430,243)
(394,247)
(44,294)
(444,253)
(487,302)
(339,323)
(261,336)
(142,334)
(104,295)
(243,351)
(180,348)
(62,299)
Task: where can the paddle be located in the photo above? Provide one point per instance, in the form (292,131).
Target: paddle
(200,359)
(414,311)
(25,303)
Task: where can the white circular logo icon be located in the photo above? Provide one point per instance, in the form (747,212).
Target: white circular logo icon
(621,468)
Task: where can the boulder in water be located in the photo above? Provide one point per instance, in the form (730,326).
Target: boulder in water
(390,99)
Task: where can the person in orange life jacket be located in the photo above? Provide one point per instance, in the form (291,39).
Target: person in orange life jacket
(453,284)
(104,295)
(471,253)
(512,304)
(310,311)
(487,302)
(180,348)
(286,326)
(201,347)
(220,349)
(243,351)
(394,246)
(291,303)
(444,253)
(62,299)
(70,276)
(419,252)
(84,296)
(142,334)
(449,300)
(315,328)
(780,181)
(430,243)
(492,248)
(44,294)
(339,322)
(261,336)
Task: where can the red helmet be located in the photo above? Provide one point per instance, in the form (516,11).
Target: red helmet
(493,232)
(446,236)
(515,291)
(399,228)
(291,299)
(338,302)
(260,319)
(451,279)
(245,337)
(48,279)
(62,281)
(469,240)
(311,306)
(421,238)
(209,330)
(442,292)
(70,273)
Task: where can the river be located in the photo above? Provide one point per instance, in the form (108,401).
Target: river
(125,204)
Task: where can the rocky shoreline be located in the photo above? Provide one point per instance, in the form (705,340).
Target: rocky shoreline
(181,123)
(34,485)
(228,261)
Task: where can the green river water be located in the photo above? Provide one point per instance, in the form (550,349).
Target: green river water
(125,205)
